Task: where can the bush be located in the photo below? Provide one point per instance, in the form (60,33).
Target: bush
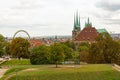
(39,55)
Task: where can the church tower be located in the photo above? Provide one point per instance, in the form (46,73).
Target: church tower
(76,28)
(88,24)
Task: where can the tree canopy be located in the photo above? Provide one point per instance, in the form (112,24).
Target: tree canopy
(40,55)
(105,50)
(2,45)
(69,44)
(68,52)
(19,48)
(57,53)
(83,50)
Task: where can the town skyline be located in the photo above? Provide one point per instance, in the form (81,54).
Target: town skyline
(56,17)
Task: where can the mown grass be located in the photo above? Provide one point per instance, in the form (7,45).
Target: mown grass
(49,72)
(16,62)
(13,65)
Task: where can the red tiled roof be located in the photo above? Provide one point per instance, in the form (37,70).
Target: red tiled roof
(87,34)
(35,42)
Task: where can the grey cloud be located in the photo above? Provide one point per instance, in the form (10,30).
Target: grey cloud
(23,25)
(108,6)
(103,16)
(28,5)
(112,21)
(107,18)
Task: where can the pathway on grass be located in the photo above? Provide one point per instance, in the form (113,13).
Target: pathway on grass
(29,69)
(35,69)
(116,67)
(2,71)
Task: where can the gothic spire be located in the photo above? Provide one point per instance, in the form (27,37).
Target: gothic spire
(88,21)
(77,23)
(85,24)
(74,21)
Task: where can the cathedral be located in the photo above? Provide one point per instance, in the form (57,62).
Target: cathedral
(87,34)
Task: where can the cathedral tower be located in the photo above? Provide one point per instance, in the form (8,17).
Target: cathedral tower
(76,28)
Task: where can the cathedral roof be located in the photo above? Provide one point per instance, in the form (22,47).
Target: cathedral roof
(101,30)
(87,34)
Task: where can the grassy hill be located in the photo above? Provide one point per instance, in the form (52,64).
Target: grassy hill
(49,72)
(14,62)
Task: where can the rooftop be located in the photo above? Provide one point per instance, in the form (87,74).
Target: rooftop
(101,30)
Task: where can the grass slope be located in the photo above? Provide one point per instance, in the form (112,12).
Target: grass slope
(16,62)
(48,72)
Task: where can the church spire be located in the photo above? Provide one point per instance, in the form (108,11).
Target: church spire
(88,24)
(85,24)
(76,22)
(79,21)
(88,21)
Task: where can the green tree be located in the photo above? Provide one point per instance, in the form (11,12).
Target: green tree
(2,45)
(76,57)
(117,61)
(84,51)
(7,48)
(95,54)
(57,53)
(68,52)
(83,48)
(40,55)
(19,48)
(84,44)
(105,49)
(69,44)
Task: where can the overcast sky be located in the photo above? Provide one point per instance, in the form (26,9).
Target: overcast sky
(55,17)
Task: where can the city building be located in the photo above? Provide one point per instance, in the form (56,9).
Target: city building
(115,36)
(35,42)
(87,34)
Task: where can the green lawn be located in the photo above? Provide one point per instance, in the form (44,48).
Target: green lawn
(49,72)
(14,62)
